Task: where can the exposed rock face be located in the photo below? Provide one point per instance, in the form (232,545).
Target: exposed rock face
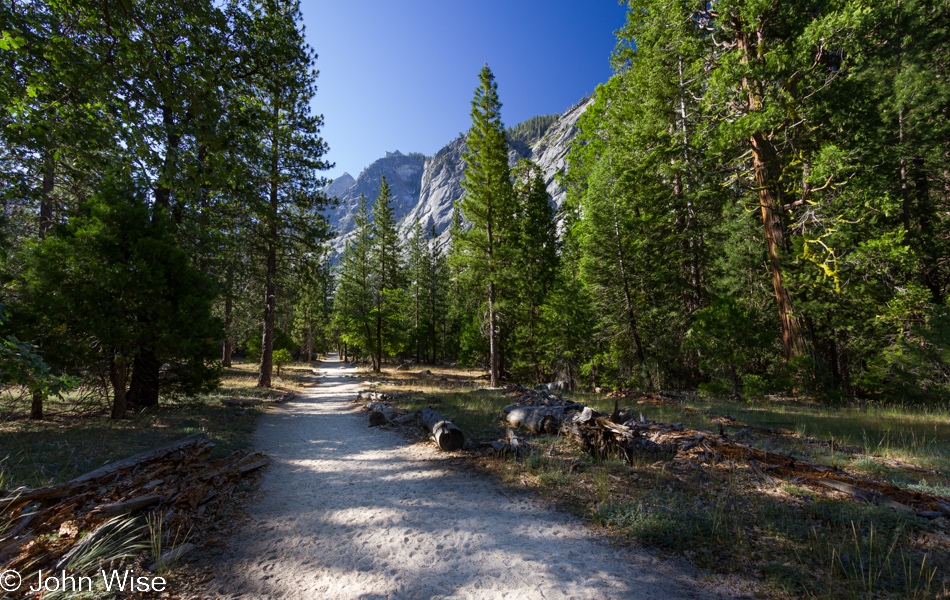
(428,191)
(441,188)
(403,174)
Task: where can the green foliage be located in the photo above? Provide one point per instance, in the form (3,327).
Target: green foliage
(281,358)
(707,134)
(112,281)
(282,341)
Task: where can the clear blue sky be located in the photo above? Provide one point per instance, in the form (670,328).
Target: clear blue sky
(400,74)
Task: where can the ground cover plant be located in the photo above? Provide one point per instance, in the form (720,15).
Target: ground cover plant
(801,541)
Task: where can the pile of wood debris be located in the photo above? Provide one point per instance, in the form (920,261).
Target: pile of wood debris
(446,434)
(179,481)
(627,434)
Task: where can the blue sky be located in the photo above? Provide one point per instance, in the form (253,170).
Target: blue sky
(400,75)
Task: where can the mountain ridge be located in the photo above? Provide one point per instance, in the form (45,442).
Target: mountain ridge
(426,188)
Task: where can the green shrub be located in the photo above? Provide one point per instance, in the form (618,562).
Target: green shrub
(281,358)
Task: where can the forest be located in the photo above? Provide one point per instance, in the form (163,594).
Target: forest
(160,182)
(758,203)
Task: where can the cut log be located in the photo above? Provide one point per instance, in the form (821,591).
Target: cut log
(448,437)
(539,419)
(380,414)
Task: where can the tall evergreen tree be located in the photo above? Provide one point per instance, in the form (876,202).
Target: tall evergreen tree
(488,205)
(388,279)
(292,150)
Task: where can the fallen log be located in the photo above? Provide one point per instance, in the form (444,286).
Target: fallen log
(862,493)
(448,437)
(123,508)
(24,496)
(539,419)
(511,445)
(244,470)
(241,402)
(409,418)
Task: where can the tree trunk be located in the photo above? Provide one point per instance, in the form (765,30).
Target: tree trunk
(226,350)
(270,300)
(926,216)
(493,363)
(764,159)
(631,316)
(144,387)
(270,283)
(378,358)
(36,409)
(118,372)
(46,200)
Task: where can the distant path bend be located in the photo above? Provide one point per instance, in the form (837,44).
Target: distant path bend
(353,512)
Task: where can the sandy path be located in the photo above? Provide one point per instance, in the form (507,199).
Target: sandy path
(352,512)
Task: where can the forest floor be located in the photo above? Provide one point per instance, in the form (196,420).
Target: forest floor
(346,511)
(798,540)
(76,435)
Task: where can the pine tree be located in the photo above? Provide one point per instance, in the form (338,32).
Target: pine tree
(291,152)
(353,303)
(537,261)
(488,206)
(418,272)
(387,279)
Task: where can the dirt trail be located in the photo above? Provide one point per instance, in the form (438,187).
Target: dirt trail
(352,512)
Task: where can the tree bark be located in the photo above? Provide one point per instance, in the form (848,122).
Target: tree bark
(36,409)
(793,335)
(46,200)
(118,372)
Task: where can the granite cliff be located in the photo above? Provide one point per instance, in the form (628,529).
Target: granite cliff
(426,188)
